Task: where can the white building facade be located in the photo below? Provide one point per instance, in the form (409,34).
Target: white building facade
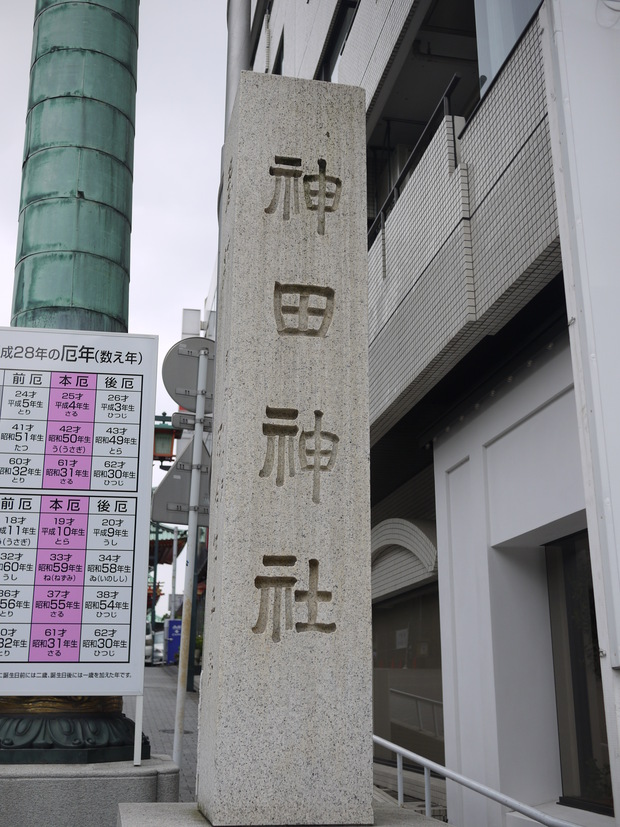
(493,207)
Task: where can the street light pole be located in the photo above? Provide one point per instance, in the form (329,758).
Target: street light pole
(192,538)
(155,561)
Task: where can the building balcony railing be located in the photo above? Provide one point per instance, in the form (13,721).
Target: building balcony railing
(441,111)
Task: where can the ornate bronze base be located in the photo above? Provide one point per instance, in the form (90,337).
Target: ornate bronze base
(66,731)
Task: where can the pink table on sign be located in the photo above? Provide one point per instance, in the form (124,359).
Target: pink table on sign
(59,578)
(69,438)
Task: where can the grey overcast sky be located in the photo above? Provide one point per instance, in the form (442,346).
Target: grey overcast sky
(179,135)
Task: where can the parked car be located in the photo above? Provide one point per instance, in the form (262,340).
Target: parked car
(158,647)
(148,644)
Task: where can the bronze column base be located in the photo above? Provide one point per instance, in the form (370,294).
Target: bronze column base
(66,730)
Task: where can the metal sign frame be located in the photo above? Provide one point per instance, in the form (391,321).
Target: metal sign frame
(76,436)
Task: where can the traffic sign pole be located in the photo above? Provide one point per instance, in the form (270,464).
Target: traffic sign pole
(192,537)
(175,551)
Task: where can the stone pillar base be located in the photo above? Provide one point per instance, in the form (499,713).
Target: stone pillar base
(85,794)
(188,815)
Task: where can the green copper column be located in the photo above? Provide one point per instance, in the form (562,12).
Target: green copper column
(72,268)
(72,273)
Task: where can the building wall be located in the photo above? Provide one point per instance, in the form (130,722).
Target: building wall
(377,42)
(464,249)
(511,193)
(582,63)
(394,570)
(421,297)
(414,500)
(508,479)
(376,34)
(306,26)
(404,554)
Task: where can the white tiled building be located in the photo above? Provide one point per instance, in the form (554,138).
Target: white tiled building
(495,475)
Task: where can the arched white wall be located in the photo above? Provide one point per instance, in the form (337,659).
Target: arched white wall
(404,554)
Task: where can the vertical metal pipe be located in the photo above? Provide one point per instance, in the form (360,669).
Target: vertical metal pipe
(154,601)
(267,40)
(383,250)
(399,779)
(72,264)
(137,744)
(427,792)
(175,551)
(192,538)
(191,660)
(238,18)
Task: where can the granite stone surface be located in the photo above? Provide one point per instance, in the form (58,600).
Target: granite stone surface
(78,795)
(285,722)
(188,815)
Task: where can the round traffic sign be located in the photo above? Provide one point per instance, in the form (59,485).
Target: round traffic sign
(180,371)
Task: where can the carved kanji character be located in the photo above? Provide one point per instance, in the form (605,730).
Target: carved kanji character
(321,459)
(283,433)
(312,597)
(322,193)
(289,172)
(295,319)
(276,586)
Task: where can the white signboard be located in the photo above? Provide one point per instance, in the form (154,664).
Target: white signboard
(76,457)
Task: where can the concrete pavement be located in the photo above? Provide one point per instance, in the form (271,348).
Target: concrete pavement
(160,692)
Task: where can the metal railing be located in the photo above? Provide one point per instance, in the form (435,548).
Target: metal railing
(444,772)
(417,712)
(441,111)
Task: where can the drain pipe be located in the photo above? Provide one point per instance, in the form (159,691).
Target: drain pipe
(238,17)
(267,39)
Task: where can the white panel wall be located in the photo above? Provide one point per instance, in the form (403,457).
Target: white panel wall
(582,66)
(469,702)
(551,490)
(502,475)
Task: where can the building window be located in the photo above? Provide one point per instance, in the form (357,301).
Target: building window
(498,27)
(407,695)
(584,755)
(277,63)
(345,15)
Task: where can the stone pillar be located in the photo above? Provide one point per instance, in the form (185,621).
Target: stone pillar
(286,718)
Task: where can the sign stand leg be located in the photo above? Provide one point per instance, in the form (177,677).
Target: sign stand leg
(192,536)
(137,742)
